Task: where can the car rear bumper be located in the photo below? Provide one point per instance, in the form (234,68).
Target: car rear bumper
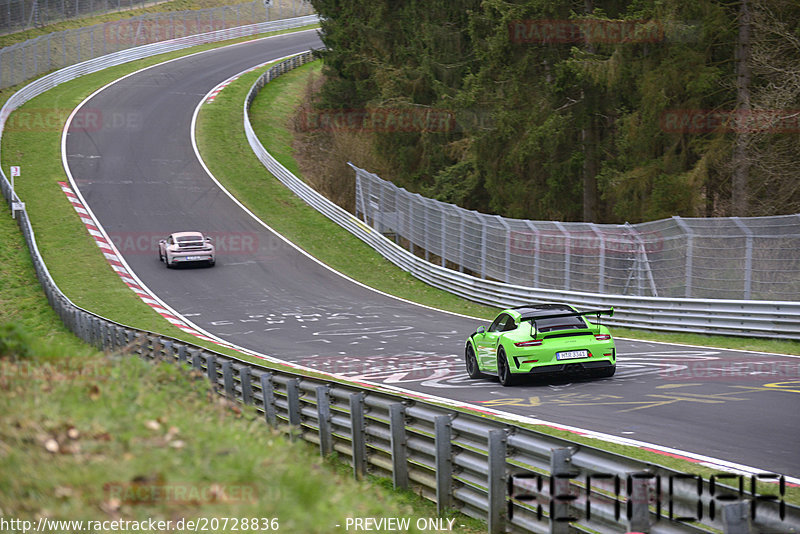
(570,367)
(187,257)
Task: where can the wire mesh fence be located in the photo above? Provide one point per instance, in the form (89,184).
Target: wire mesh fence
(716,258)
(17,15)
(53,51)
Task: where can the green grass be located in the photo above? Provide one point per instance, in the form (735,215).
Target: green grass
(70,254)
(91,436)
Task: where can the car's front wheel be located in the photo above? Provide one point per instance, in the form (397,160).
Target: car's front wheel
(472,363)
(503,369)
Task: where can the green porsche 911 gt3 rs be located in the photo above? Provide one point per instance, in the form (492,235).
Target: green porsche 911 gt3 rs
(541,338)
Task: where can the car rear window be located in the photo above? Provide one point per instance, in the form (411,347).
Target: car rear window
(186,239)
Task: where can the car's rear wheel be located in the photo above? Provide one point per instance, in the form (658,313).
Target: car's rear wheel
(503,369)
(472,363)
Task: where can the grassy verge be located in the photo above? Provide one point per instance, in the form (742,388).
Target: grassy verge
(33,142)
(90,436)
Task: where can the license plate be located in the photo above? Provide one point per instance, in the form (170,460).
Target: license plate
(195,258)
(572,354)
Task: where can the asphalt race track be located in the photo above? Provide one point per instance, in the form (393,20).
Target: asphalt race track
(139,175)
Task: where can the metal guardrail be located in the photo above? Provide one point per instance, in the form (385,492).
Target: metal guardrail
(517,479)
(767,319)
(474,458)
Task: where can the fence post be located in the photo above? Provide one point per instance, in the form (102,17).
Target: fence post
(736,518)
(227,378)
(639,501)
(689,253)
(268,398)
(324,420)
(247,386)
(560,494)
(357,434)
(211,370)
(567,256)
(444,464)
(602,260)
(183,353)
(748,258)
(293,400)
(397,429)
(197,362)
(497,481)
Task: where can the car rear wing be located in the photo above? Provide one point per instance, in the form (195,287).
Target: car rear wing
(596,313)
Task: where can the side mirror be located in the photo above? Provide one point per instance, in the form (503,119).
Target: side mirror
(208,240)
(481,330)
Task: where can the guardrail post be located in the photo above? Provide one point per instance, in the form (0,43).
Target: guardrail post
(293,398)
(211,370)
(169,352)
(324,420)
(497,481)
(227,378)
(736,518)
(149,349)
(357,434)
(397,430)
(247,386)
(560,495)
(196,360)
(639,501)
(268,397)
(183,353)
(444,464)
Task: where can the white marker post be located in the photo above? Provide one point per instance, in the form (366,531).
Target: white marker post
(15,206)
(267,5)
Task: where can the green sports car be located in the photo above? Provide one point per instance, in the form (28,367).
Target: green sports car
(541,338)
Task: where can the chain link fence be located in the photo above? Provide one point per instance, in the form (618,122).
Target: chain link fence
(53,51)
(717,258)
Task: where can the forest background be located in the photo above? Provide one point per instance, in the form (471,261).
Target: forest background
(597,111)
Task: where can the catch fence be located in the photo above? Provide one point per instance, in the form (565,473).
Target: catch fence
(26,60)
(754,258)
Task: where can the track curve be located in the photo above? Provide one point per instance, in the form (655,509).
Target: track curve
(139,175)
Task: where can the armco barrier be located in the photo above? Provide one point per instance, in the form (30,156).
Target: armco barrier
(522,505)
(517,479)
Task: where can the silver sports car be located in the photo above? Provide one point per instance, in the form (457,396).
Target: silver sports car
(186,247)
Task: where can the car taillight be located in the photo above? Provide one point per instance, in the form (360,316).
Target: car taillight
(531,343)
(602,337)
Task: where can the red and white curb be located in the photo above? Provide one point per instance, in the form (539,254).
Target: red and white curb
(218,89)
(119,267)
